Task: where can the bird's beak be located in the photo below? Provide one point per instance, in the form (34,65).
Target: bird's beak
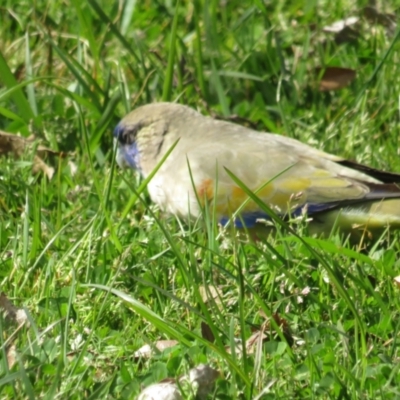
(119,157)
(127,155)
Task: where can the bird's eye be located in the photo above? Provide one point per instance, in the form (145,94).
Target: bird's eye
(118,131)
(126,134)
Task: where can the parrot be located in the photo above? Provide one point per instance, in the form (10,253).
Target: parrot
(288,176)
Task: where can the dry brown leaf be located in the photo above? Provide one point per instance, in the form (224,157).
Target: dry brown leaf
(210,293)
(334,78)
(11,312)
(40,165)
(18,146)
(262,334)
(253,340)
(147,351)
(281,322)
(206,332)
(11,355)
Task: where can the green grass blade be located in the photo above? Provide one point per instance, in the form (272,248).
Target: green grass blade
(17,94)
(169,74)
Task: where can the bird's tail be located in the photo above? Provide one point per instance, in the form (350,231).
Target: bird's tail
(367,218)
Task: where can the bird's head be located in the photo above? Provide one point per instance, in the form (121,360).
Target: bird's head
(125,135)
(142,133)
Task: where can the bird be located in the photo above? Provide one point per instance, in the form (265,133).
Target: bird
(291,178)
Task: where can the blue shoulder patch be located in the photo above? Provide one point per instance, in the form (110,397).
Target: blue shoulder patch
(249,220)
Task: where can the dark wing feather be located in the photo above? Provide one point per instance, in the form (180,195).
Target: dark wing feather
(385,177)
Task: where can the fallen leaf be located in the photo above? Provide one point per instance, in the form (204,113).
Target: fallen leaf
(18,146)
(210,293)
(206,332)
(338,26)
(40,165)
(147,351)
(11,312)
(281,322)
(334,78)
(161,391)
(254,339)
(198,381)
(11,355)
(73,168)
(345,30)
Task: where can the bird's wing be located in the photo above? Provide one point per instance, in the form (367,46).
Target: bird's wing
(290,175)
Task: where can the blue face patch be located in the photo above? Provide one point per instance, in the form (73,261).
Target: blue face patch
(128,155)
(117,131)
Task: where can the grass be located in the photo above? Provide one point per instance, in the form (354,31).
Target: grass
(100,271)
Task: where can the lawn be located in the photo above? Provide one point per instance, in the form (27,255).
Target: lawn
(91,271)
